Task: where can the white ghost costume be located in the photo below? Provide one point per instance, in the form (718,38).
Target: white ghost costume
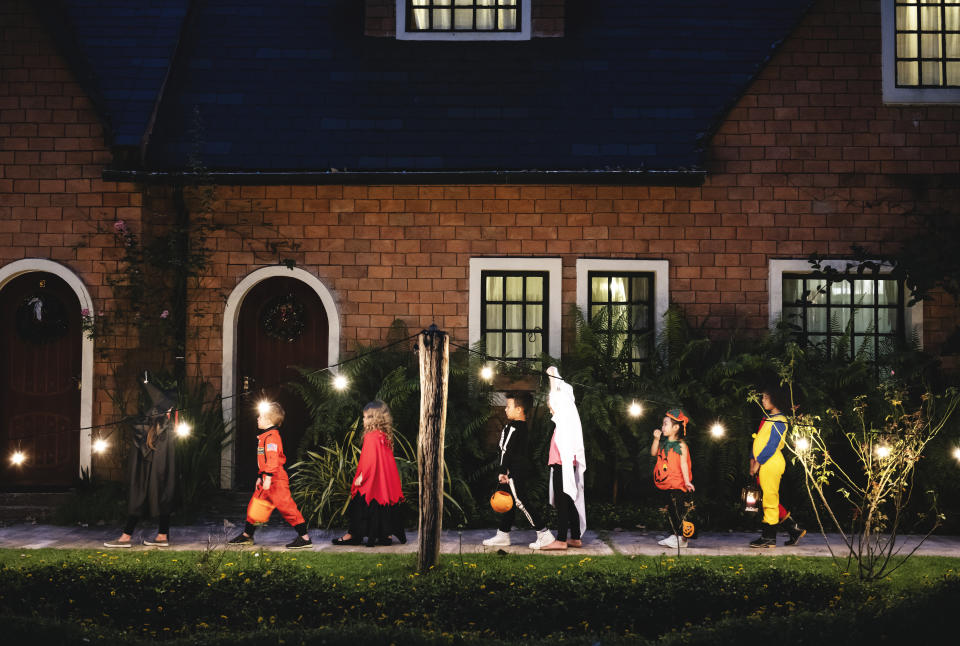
(569,439)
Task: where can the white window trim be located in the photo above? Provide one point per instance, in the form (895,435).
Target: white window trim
(912,315)
(904,95)
(554,269)
(523,34)
(661,286)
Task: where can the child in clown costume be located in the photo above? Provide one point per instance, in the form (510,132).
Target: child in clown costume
(673,473)
(273,484)
(768,465)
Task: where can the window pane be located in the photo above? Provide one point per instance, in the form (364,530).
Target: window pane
(817,320)
(640,288)
(840,293)
(906,46)
(840,320)
(792,290)
(598,311)
(618,317)
(514,288)
(953,45)
(908,73)
(514,345)
(639,317)
(494,346)
(930,46)
(618,289)
(863,320)
(929,18)
(514,317)
(494,317)
(817,340)
(507,19)
(863,292)
(441,18)
(906,18)
(494,288)
(617,341)
(534,288)
(421,19)
(485,19)
(534,316)
(887,292)
(816,291)
(598,289)
(888,321)
(463,18)
(866,347)
(793,316)
(930,73)
(953,74)
(951,16)
(535,346)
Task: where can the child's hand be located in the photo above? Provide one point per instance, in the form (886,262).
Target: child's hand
(689,486)
(266,483)
(657,433)
(504,478)
(754,466)
(358,480)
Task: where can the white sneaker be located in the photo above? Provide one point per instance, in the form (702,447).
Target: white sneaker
(673,541)
(543,538)
(498,539)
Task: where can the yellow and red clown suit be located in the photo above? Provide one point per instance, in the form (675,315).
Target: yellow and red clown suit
(768,444)
(270,461)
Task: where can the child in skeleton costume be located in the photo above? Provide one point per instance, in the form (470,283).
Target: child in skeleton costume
(567,463)
(768,464)
(273,485)
(673,473)
(514,471)
(152,469)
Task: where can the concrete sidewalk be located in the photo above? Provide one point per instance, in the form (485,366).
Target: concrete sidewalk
(601,543)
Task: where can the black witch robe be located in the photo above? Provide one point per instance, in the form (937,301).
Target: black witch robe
(152,471)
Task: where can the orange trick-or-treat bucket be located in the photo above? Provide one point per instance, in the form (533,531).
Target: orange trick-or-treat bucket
(259,510)
(501,501)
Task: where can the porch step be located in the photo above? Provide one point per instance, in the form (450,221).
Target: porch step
(26,507)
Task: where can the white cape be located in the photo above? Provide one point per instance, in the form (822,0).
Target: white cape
(569,439)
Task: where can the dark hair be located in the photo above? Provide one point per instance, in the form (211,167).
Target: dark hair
(778,395)
(522,399)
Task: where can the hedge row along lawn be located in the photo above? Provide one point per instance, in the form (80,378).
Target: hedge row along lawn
(252,597)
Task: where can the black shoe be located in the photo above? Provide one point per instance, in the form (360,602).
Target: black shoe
(371,542)
(299,543)
(763,542)
(242,539)
(353,540)
(385,541)
(401,537)
(795,536)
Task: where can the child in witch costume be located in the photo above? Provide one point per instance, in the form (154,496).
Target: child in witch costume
(273,485)
(768,464)
(673,473)
(514,470)
(152,469)
(376,492)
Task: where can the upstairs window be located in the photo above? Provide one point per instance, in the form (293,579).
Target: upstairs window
(921,51)
(463,19)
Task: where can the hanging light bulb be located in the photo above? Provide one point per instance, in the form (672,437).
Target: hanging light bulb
(635,409)
(956,453)
(486,373)
(18,458)
(340,382)
(717,430)
(100,445)
(882,451)
(801,444)
(183,429)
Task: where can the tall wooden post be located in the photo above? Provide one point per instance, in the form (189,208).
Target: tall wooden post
(433,347)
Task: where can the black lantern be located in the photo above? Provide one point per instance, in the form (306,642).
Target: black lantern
(751,497)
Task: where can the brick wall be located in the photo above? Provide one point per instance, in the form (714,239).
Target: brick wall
(53,203)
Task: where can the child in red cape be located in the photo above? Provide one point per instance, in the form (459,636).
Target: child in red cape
(376,492)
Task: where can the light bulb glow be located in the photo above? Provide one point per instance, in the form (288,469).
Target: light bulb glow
(100,445)
(183,429)
(18,458)
(263,407)
(635,409)
(802,444)
(956,453)
(486,373)
(340,382)
(717,430)
(882,451)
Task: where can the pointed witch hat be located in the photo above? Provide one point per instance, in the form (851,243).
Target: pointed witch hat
(162,401)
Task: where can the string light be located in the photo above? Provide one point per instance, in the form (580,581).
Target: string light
(263,407)
(100,445)
(183,429)
(956,453)
(486,373)
(18,458)
(635,409)
(340,382)
(802,444)
(883,451)
(717,430)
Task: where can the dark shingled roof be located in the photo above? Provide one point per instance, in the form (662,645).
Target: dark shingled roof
(294,85)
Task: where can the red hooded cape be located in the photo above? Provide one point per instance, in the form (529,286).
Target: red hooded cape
(381,479)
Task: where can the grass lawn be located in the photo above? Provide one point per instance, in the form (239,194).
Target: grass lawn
(251,597)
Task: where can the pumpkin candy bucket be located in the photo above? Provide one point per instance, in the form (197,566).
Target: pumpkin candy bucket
(259,510)
(501,501)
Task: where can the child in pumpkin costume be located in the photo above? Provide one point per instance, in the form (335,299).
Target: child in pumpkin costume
(673,473)
(273,485)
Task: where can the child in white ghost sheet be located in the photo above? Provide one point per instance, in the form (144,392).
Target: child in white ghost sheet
(514,470)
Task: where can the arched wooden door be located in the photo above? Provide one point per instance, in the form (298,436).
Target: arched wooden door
(40,367)
(282,323)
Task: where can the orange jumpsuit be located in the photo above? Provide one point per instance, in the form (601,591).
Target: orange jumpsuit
(270,461)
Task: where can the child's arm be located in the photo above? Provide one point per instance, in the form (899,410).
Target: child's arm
(271,454)
(684,469)
(656,442)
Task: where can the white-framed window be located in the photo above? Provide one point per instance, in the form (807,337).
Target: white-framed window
(859,314)
(463,19)
(630,297)
(515,306)
(921,51)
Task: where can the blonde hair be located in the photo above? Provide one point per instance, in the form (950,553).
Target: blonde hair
(380,420)
(274,412)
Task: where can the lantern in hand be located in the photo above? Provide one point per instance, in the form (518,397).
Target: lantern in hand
(751,499)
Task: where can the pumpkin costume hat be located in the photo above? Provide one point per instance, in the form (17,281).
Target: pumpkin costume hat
(678,415)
